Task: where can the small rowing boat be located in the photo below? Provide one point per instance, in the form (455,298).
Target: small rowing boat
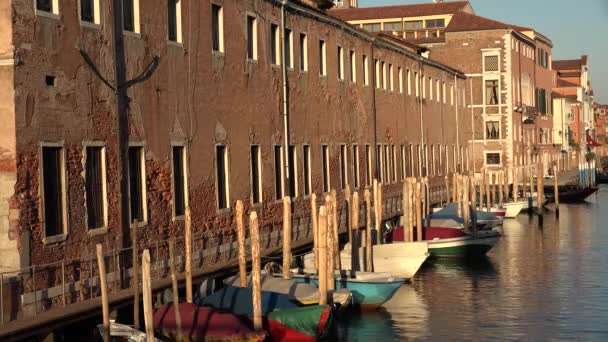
(573,195)
(123,333)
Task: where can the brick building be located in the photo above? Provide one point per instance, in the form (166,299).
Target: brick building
(207,128)
(509,71)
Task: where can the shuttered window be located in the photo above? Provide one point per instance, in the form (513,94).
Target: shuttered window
(136,183)
(179,181)
(94,187)
(53,187)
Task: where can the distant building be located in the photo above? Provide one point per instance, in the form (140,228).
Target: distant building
(509,71)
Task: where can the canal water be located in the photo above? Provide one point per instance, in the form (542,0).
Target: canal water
(539,283)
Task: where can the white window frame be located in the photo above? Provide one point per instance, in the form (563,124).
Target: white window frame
(289,38)
(303,52)
(260,175)
(254,35)
(400,79)
(353,66)
(326,171)
(344,161)
(276,49)
(226,179)
(323,58)
(366,70)
(438,94)
(356,169)
(96,14)
(53,14)
(368,165)
(430,88)
(490,53)
(308,170)
(340,63)
(391,77)
(185,176)
(144,187)
(104,185)
(64,195)
(485,158)
(296,188)
(178,24)
(136,20)
(417,83)
(377,68)
(409,82)
(384,80)
(444,93)
(393,164)
(220,26)
(492,118)
(281,172)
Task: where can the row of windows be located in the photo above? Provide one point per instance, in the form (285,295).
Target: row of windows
(411,25)
(54,193)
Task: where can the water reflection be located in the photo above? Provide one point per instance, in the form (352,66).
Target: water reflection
(540,282)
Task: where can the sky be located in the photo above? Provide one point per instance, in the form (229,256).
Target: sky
(576,27)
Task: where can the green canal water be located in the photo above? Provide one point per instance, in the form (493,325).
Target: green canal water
(539,283)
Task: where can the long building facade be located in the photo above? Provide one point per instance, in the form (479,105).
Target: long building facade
(251,100)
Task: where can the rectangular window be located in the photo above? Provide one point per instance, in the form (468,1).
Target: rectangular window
(252,37)
(430,88)
(293,171)
(490,63)
(377,73)
(217,27)
(443,93)
(343,166)
(303,52)
(278,172)
(393,164)
(372,27)
(307,169)
(53,188)
(438,95)
(409,82)
(274,45)
(256,174)
(174,20)
(322,58)
(435,23)
(410,161)
(385,164)
(384,80)
(393,27)
(492,158)
(413,25)
(95,187)
(288,48)
(365,70)
(325,157)
(379,163)
(356,171)
(340,63)
(128,15)
(492,130)
(353,66)
(492,92)
(368,165)
(452,94)
(403,161)
(180,200)
(390,77)
(137,184)
(423,160)
(222,177)
(423,86)
(89,11)
(400,78)
(432,161)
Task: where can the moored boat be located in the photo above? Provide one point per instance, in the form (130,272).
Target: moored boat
(446,242)
(123,333)
(450,212)
(204,323)
(513,208)
(573,195)
(367,290)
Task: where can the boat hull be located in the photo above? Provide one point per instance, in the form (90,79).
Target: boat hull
(366,293)
(463,247)
(513,208)
(574,196)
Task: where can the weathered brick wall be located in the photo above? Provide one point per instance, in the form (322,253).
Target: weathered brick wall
(201,99)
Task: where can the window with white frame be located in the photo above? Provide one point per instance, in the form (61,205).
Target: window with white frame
(95,186)
(325,165)
(432,161)
(217,27)
(423,86)
(377,68)
(386,164)
(256,174)
(400,77)
(380,163)
(130,15)
(137,184)
(491,92)
(307,169)
(437,93)
(322,58)
(343,166)
(356,171)
(293,171)
(89,12)
(365,70)
(403,161)
(174,20)
(252,37)
(289,48)
(492,158)
(53,187)
(275,51)
(303,52)
(47,6)
(417,81)
(451,94)
(340,63)
(278,172)
(368,165)
(409,82)
(443,93)
(490,63)
(384,80)
(222,176)
(430,88)
(390,77)
(492,130)
(393,164)
(353,66)
(180,180)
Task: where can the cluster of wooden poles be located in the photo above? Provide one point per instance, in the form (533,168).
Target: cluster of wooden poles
(415,205)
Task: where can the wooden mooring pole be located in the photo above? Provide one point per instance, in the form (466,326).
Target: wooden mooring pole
(354,243)
(556,189)
(368,232)
(323,255)
(105,306)
(336,232)
(135,269)
(329,272)
(539,191)
(178,316)
(256,270)
(240,231)
(188,243)
(315,228)
(418,213)
(147,294)
(286,237)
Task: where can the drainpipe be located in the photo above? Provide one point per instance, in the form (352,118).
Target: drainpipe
(286,187)
(422,151)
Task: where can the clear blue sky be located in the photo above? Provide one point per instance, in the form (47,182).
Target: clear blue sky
(576,27)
